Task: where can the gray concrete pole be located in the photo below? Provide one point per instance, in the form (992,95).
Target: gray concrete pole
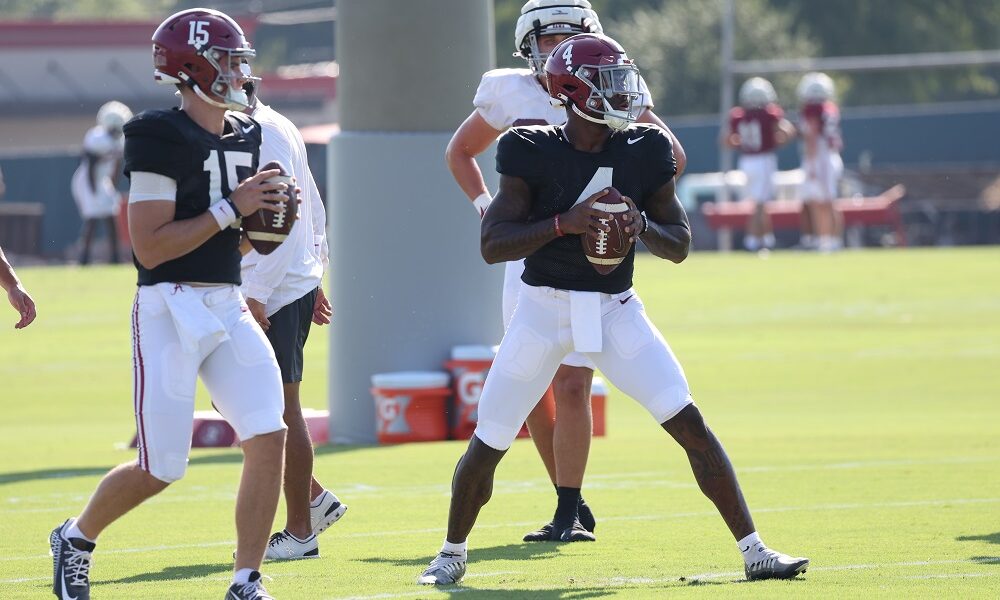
(407,280)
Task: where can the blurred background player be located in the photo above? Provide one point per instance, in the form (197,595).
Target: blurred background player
(192,175)
(94,183)
(819,124)
(757,128)
(16,294)
(513,97)
(284,291)
(544,204)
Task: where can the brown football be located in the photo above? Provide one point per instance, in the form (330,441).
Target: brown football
(265,229)
(607,249)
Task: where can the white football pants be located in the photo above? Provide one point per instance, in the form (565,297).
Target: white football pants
(634,357)
(241,373)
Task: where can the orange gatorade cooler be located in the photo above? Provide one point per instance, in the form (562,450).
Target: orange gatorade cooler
(598,402)
(468,367)
(410,406)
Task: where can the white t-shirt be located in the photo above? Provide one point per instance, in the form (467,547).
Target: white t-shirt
(511,97)
(296,267)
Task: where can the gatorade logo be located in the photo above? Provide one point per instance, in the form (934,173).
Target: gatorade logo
(470,387)
(392,415)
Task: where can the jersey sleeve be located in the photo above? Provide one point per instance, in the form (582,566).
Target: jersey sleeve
(660,164)
(155,146)
(489,102)
(646,99)
(517,154)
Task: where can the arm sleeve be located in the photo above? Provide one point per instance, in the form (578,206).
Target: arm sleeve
(660,164)
(147,186)
(489,104)
(270,269)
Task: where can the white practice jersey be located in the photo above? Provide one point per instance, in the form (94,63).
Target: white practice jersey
(512,97)
(97,197)
(296,267)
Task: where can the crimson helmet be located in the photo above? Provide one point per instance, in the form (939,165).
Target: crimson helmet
(592,73)
(197,47)
(550,17)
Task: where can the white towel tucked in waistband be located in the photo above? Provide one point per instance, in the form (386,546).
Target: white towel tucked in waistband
(585,321)
(195,322)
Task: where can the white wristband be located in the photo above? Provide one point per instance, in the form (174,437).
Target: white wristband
(223,214)
(482,202)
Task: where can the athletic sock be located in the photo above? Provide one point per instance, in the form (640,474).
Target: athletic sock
(566,509)
(460,548)
(242,576)
(752,547)
(73,531)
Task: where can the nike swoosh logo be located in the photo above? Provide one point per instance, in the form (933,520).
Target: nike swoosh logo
(62,580)
(247,129)
(626,300)
(631,141)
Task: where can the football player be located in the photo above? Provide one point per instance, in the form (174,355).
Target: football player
(821,144)
(284,292)
(192,176)
(512,97)
(757,128)
(545,202)
(16,294)
(94,181)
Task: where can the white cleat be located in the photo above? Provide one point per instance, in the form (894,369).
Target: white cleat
(446,568)
(327,511)
(284,546)
(775,565)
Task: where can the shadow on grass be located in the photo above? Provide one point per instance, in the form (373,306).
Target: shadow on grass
(992,538)
(506,552)
(176,573)
(221,456)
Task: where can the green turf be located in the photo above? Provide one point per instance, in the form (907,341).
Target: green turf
(857,394)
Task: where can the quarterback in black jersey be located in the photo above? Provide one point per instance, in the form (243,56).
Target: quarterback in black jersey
(550,179)
(192,176)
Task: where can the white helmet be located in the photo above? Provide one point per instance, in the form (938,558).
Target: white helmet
(757,92)
(113,115)
(815,87)
(550,17)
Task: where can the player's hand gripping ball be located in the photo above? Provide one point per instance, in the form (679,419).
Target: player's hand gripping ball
(607,249)
(266,229)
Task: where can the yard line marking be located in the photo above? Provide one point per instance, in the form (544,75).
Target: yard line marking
(952,575)
(619,582)
(627,518)
(25,579)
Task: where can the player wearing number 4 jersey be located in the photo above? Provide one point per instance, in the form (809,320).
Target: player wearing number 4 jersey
(512,97)
(565,305)
(192,176)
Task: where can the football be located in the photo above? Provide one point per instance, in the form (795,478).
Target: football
(607,249)
(265,229)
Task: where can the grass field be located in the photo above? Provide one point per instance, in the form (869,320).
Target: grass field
(857,395)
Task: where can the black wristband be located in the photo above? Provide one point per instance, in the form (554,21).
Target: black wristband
(232,205)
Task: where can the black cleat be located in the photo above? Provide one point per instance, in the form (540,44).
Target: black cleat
(542,534)
(70,565)
(576,533)
(586,516)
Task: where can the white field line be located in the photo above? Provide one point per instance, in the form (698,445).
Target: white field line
(629,518)
(952,575)
(619,582)
(602,481)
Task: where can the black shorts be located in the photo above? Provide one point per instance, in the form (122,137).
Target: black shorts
(288,333)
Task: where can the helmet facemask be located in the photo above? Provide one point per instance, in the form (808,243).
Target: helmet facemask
(228,83)
(614,100)
(531,51)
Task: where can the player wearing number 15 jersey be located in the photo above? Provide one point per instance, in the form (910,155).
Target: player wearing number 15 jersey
(192,176)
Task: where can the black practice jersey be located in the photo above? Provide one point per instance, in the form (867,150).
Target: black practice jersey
(641,160)
(206,168)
